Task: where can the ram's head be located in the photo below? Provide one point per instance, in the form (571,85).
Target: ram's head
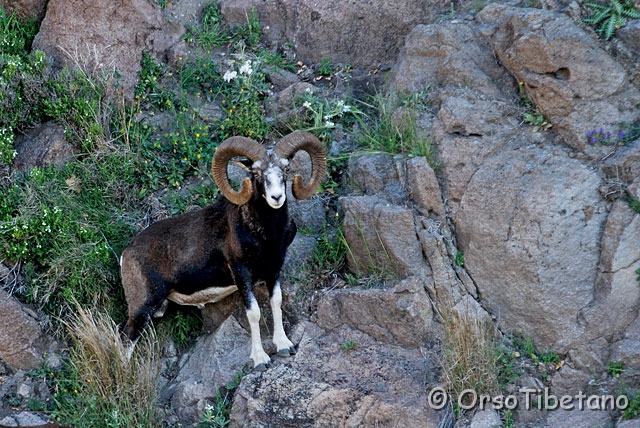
(269,168)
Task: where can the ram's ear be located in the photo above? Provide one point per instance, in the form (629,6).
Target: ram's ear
(243,164)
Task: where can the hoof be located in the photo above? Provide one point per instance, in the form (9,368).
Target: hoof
(284,352)
(262,367)
(287,352)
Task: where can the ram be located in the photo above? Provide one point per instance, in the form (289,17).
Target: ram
(236,243)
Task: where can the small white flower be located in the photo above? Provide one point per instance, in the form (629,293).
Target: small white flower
(246,68)
(307,105)
(229,75)
(329,124)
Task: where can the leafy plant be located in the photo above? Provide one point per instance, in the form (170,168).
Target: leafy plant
(633,409)
(183,325)
(532,115)
(321,116)
(537,120)
(77,101)
(615,369)
(507,419)
(211,31)
(507,370)
(609,17)
(348,345)
(216,415)
(65,226)
(148,87)
(459,259)
(330,251)
(243,90)
(16,33)
(390,126)
(7,152)
(250,32)
(325,68)
(549,357)
(22,74)
(524,344)
(634,204)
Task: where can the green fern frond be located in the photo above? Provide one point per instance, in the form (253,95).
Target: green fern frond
(599,17)
(621,21)
(596,6)
(601,12)
(617,7)
(609,27)
(608,18)
(631,12)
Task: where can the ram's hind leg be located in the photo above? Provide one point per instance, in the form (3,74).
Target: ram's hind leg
(144,295)
(284,346)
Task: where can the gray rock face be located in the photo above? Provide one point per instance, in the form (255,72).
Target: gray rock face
(100,36)
(43,146)
(326,384)
(22,341)
(450,54)
(401,315)
(374,245)
(555,60)
(214,361)
(539,205)
(522,212)
(318,28)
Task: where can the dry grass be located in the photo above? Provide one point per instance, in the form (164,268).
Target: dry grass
(470,357)
(123,388)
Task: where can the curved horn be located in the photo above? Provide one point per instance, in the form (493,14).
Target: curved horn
(301,140)
(235,146)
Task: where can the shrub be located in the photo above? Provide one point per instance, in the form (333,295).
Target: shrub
(102,386)
(470,356)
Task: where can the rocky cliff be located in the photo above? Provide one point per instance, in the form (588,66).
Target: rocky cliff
(540,211)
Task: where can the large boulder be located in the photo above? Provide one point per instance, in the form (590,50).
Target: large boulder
(381,237)
(561,68)
(214,361)
(340,378)
(331,29)
(532,242)
(447,54)
(43,146)
(400,315)
(98,37)
(23,342)
(34,9)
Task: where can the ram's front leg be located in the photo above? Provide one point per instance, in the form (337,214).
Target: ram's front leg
(260,358)
(245,285)
(284,346)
